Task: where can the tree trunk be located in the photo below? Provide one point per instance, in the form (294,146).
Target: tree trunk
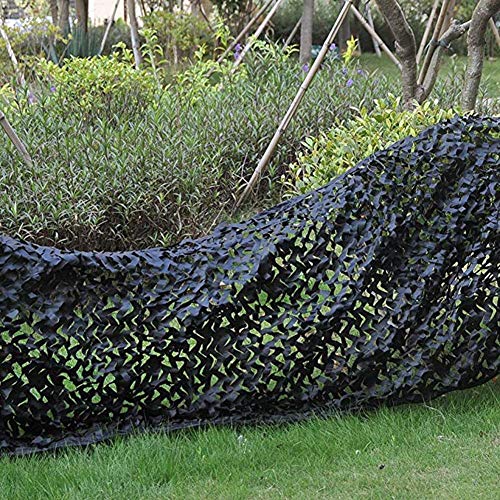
(134,33)
(406,49)
(82,14)
(64,17)
(476,41)
(54,12)
(306,31)
(344,33)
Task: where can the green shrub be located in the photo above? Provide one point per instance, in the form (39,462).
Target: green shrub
(95,85)
(179,33)
(347,143)
(29,41)
(123,161)
(110,175)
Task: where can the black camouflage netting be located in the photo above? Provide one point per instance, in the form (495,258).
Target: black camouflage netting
(379,288)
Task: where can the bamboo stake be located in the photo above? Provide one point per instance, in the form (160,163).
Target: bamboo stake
(21,148)
(293,33)
(256,35)
(108,28)
(296,103)
(10,51)
(427,31)
(369,18)
(375,37)
(495,30)
(450,14)
(245,30)
(435,38)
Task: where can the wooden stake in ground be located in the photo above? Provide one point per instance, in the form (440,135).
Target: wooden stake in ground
(376,39)
(15,139)
(295,104)
(256,35)
(495,30)
(435,37)
(111,20)
(292,34)
(245,30)
(427,31)
(12,56)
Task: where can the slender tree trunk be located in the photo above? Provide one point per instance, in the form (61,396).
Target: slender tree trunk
(369,18)
(377,41)
(257,34)
(134,33)
(476,41)
(54,12)
(195,7)
(306,31)
(64,17)
(344,33)
(406,48)
(82,14)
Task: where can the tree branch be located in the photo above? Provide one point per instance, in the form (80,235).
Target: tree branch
(455,31)
(476,40)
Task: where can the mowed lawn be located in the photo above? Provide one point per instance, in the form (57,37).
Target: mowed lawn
(491,72)
(449,448)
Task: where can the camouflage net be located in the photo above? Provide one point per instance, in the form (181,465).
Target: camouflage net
(379,288)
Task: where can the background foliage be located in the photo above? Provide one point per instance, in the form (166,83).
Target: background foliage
(141,164)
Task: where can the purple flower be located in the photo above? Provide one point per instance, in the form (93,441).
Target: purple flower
(31,98)
(237,51)
(344,71)
(333,47)
(360,72)
(305,68)
(52,88)
(350,82)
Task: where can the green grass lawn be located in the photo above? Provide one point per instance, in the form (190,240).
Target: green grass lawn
(490,79)
(449,448)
